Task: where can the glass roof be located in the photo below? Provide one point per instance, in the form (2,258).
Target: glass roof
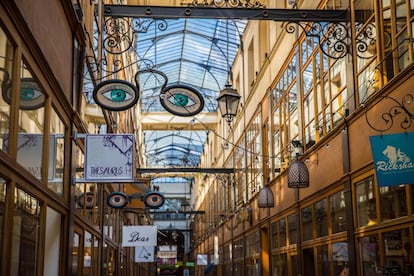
(189,52)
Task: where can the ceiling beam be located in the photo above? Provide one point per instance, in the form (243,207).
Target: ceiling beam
(185,170)
(167,121)
(285,15)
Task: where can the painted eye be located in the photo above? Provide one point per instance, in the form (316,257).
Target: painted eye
(87,200)
(154,200)
(181,100)
(117,95)
(31,95)
(117,200)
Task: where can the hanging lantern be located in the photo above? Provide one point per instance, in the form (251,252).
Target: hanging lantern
(298,175)
(228,102)
(265,198)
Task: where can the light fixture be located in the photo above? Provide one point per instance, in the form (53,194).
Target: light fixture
(265,198)
(298,175)
(228,102)
(174,235)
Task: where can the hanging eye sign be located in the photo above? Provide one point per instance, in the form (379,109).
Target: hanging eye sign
(115,95)
(117,200)
(154,200)
(182,100)
(30,96)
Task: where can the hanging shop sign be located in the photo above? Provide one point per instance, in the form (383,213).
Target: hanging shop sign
(115,95)
(109,157)
(182,100)
(393,156)
(139,236)
(144,254)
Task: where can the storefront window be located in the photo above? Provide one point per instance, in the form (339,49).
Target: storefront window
(56,157)
(366,204)
(53,242)
(321,218)
(393,202)
(338,217)
(6,64)
(369,254)
(25,245)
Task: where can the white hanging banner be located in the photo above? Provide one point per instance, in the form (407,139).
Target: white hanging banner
(139,236)
(109,157)
(144,254)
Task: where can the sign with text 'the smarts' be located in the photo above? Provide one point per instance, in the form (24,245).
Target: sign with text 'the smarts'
(139,236)
(393,156)
(109,157)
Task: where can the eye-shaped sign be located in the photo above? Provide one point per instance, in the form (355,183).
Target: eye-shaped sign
(115,95)
(182,100)
(117,200)
(30,94)
(154,200)
(87,200)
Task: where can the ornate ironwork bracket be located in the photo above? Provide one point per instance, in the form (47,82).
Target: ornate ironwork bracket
(333,38)
(402,112)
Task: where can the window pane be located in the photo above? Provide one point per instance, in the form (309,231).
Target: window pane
(340,258)
(280,265)
(75,254)
(292,227)
(275,232)
(397,246)
(366,205)
(6,62)
(52,243)
(307,223)
(393,202)
(3,187)
(321,218)
(322,263)
(338,216)
(369,252)
(31,124)
(282,232)
(56,160)
(26,221)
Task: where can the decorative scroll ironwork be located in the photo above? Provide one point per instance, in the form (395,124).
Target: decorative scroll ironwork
(227,4)
(398,112)
(333,38)
(118,35)
(120,32)
(365,39)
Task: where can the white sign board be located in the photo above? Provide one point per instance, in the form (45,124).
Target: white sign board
(109,157)
(144,254)
(133,236)
(202,259)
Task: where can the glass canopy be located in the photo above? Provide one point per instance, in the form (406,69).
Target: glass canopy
(189,52)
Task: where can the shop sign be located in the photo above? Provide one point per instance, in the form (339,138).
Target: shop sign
(109,157)
(144,254)
(133,236)
(393,156)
